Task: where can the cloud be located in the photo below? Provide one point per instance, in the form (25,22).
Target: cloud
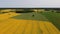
(29,3)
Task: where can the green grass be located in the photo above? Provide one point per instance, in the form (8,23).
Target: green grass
(28,16)
(53,17)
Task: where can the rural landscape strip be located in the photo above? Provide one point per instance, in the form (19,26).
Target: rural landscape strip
(24,21)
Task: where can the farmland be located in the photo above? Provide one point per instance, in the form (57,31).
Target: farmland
(26,23)
(53,17)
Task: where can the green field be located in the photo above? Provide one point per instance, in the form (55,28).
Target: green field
(53,17)
(44,16)
(28,16)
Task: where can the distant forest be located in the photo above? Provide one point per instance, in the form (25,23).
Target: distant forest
(33,8)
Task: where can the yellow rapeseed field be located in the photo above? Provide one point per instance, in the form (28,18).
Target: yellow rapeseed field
(14,26)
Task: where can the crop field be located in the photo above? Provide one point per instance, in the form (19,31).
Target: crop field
(53,17)
(30,23)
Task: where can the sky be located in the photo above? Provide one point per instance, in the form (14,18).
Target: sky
(29,3)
